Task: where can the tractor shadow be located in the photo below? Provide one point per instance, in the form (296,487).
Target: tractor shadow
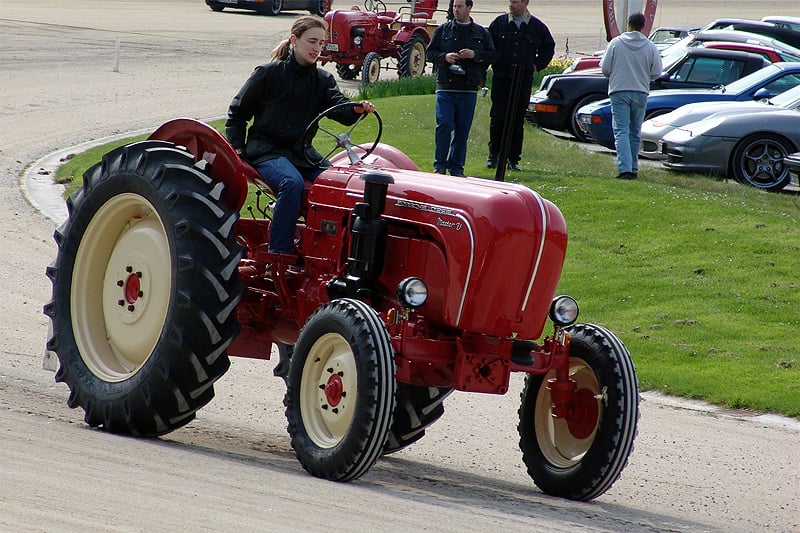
(416,482)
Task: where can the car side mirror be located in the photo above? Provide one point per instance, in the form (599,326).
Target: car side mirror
(762,94)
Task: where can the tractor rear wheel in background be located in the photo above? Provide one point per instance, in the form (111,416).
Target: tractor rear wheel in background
(145,287)
(417,408)
(340,394)
(411,58)
(346,71)
(581,457)
(371,70)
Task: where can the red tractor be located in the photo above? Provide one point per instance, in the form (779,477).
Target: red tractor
(358,40)
(403,286)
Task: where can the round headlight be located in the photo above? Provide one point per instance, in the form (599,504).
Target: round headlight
(358,40)
(564,311)
(412,292)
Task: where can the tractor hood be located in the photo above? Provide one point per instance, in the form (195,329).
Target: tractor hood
(493,251)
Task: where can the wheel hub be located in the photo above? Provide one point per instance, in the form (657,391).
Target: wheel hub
(585,414)
(334,390)
(132,287)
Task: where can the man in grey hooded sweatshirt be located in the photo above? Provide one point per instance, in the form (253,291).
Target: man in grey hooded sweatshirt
(630,62)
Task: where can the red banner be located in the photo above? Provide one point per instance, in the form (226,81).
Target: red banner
(612,25)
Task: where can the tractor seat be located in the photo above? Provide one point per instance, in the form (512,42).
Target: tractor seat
(387,17)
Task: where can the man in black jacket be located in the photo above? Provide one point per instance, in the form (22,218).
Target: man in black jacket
(520,39)
(461,51)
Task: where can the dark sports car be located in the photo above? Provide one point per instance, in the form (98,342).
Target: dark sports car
(554,105)
(750,147)
(595,118)
(273,7)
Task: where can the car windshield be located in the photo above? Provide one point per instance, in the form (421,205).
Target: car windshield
(743,84)
(677,47)
(668,61)
(789,99)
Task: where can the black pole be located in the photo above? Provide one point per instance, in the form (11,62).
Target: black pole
(508,123)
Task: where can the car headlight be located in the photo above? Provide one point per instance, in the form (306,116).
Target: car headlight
(358,40)
(412,292)
(564,311)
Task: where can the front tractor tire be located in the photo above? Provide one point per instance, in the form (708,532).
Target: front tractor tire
(145,287)
(340,394)
(580,458)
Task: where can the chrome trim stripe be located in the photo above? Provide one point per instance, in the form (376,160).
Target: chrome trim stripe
(539,255)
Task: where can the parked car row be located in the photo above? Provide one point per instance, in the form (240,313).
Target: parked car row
(555,105)
(729,80)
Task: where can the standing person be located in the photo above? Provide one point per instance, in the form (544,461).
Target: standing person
(282,98)
(631,61)
(524,40)
(462,50)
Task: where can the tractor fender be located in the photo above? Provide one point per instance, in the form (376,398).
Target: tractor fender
(405,34)
(207,144)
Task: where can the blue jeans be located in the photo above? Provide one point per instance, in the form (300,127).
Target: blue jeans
(627,115)
(288,182)
(454,113)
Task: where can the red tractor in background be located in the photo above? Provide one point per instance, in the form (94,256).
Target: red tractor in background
(358,40)
(402,287)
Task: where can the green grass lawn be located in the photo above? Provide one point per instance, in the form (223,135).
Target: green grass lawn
(699,277)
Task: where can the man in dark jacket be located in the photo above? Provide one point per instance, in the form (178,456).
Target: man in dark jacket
(461,51)
(520,39)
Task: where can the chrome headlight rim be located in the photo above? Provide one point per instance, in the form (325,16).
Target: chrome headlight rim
(564,310)
(412,292)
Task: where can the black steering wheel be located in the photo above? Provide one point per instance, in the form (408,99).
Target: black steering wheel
(375,5)
(342,140)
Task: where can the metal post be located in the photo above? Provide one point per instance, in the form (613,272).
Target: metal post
(508,124)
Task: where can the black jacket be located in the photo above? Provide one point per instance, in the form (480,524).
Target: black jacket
(531,45)
(451,37)
(282,98)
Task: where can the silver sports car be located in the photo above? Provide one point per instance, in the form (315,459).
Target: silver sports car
(656,128)
(750,147)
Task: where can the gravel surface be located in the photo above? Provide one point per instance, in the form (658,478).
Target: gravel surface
(694,468)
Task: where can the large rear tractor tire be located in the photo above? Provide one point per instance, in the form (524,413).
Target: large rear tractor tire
(145,287)
(581,457)
(411,58)
(340,395)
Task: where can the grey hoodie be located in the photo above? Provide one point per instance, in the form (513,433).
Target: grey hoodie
(630,62)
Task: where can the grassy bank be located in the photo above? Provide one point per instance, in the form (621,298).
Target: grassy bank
(696,275)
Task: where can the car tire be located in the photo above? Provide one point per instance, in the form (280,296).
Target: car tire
(272,7)
(317,8)
(758,161)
